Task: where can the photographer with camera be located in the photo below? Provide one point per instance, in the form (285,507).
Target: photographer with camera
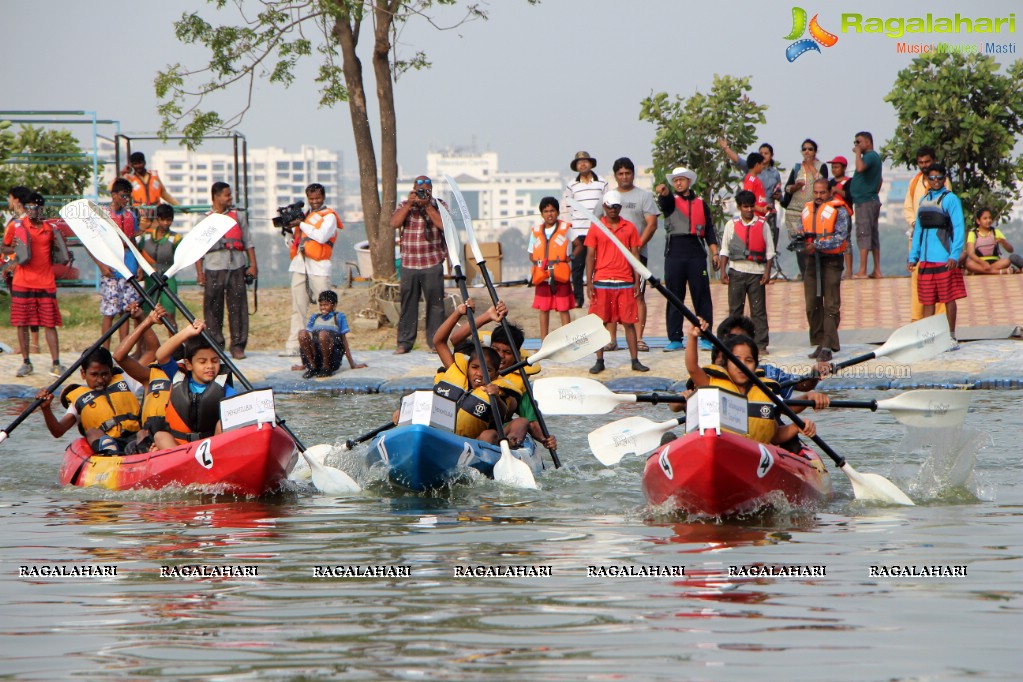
(223,273)
(310,238)
(423,252)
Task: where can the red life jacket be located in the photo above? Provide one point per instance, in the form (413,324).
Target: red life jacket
(233,239)
(751,238)
(691,218)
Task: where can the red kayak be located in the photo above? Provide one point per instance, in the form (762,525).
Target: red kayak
(245,461)
(727,474)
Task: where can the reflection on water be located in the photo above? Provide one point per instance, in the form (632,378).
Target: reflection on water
(286,623)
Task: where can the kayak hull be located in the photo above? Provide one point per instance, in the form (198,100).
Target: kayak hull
(421,458)
(727,474)
(247,461)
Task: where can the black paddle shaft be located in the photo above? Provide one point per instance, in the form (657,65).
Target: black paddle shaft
(482,265)
(352,442)
(776,399)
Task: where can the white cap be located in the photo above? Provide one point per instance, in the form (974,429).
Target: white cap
(612,197)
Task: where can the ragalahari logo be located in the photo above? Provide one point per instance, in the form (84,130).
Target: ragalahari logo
(817,35)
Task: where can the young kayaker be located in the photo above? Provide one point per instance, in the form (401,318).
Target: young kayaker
(191,406)
(106,409)
(462,382)
(763,427)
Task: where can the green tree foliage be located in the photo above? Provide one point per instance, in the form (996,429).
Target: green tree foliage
(268,42)
(45,160)
(687,129)
(972,116)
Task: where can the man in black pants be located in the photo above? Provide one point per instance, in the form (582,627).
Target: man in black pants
(688,222)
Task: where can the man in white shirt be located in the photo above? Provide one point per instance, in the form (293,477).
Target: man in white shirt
(588,189)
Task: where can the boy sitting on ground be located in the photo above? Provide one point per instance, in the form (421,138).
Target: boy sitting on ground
(324,341)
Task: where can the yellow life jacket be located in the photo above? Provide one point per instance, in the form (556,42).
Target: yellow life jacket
(154,402)
(310,248)
(113,410)
(763,422)
(473,416)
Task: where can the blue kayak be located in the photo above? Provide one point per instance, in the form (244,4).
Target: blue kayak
(422,458)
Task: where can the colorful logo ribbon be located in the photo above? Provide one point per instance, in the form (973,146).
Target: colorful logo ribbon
(818,35)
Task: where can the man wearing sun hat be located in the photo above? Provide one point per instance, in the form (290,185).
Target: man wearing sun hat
(688,221)
(587,189)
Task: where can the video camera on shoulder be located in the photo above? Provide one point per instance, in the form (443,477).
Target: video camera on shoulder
(289,214)
(797,242)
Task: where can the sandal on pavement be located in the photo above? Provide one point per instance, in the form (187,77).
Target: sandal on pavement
(612,346)
(642,347)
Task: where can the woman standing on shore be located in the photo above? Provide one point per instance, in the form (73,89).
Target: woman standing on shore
(799,191)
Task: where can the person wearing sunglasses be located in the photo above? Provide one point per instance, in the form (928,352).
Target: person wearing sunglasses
(423,251)
(866,203)
(917,189)
(798,193)
(939,237)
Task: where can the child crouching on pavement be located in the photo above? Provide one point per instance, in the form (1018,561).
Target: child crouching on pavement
(324,341)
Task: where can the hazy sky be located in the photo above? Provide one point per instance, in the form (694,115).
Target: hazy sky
(534,83)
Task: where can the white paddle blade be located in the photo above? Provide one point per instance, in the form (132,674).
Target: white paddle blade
(470,233)
(921,340)
(629,436)
(576,395)
(450,237)
(512,471)
(97,234)
(573,341)
(928,408)
(327,479)
(875,488)
(641,269)
(199,240)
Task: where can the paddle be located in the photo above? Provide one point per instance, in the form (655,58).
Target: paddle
(920,340)
(192,247)
(481,263)
(352,442)
(508,470)
(576,395)
(330,480)
(629,436)
(865,486)
(104,240)
(575,340)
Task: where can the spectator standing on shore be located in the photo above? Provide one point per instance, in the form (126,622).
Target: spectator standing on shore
(115,294)
(917,189)
(938,240)
(826,225)
(222,272)
(866,203)
(423,252)
(147,190)
(310,245)
(157,247)
(640,209)
(746,256)
(587,189)
(549,248)
(688,221)
(840,189)
(769,177)
(798,193)
(34,287)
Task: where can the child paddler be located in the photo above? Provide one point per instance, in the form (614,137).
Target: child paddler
(526,422)
(763,422)
(462,382)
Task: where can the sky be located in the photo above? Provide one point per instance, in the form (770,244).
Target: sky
(534,83)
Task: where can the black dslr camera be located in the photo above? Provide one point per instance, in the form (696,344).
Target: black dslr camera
(797,243)
(288,214)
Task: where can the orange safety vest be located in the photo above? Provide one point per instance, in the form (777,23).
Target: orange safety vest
(550,257)
(310,248)
(145,193)
(820,223)
(233,239)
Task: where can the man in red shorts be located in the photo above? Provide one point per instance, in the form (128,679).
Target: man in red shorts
(938,240)
(34,287)
(612,285)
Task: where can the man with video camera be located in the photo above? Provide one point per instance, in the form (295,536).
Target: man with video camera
(310,238)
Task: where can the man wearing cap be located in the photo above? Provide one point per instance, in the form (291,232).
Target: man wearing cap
(840,189)
(587,189)
(34,287)
(611,282)
(917,189)
(688,221)
(146,189)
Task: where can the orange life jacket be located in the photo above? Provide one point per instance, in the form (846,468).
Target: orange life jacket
(145,193)
(819,223)
(550,257)
(233,239)
(310,248)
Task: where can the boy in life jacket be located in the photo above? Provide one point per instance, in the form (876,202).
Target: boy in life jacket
(192,405)
(158,246)
(462,382)
(746,256)
(549,251)
(763,422)
(324,341)
(105,409)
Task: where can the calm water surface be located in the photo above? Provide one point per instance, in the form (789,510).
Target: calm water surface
(288,624)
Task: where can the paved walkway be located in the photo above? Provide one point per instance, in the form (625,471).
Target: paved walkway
(871,310)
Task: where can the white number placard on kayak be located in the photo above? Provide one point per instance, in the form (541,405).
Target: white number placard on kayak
(716,409)
(429,409)
(254,407)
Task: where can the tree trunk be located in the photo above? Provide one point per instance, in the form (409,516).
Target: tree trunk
(346,31)
(384,21)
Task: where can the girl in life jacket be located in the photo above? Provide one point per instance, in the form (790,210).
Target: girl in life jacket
(988,252)
(763,420)
(105,409)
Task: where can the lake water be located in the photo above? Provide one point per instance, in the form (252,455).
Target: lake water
(286,623)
